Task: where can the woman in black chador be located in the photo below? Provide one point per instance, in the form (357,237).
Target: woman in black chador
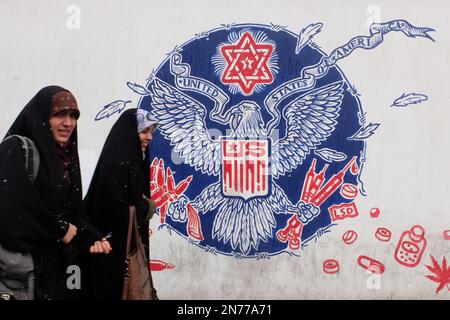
(42,215)
(121,179)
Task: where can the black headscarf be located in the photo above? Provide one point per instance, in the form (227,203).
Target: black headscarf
(33,213)
(122,174)
(120,179)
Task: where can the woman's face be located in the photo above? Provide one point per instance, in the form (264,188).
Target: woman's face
(146,136)
(63,123)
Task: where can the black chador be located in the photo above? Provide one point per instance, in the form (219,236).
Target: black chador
(120,180)
(34,215)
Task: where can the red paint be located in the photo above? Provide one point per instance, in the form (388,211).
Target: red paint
(160,174)
(241,181)
(446,234)
(349,191)
(383,234)
(235,146)
(343,210)
(194,228)
(371,264)
(313,182)
(247,63)
(161,201)
(153,169)
(355,169)
(244,170)
(158,265)
(307,183)
(236,175)
(261,168)
(163,212)
(182,186)
(332,185)
(255,149)
(317,183)
(242,148)
(291,233)
(170,181)
(374,212)
(330,266)
(157,192)
(349,237)
(250,169)
(163,189)
(441,273)
(411,247)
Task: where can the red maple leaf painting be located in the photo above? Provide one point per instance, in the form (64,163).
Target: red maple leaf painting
(441,274)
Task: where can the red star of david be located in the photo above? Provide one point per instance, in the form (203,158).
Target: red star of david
(247,63)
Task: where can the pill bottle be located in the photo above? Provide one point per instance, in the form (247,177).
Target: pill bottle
(411,246)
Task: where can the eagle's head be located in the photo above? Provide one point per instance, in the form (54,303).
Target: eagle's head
(246,120)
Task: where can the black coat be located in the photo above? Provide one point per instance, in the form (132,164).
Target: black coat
(120,179)
(34,215)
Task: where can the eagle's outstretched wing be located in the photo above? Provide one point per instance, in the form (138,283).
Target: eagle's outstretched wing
(181,119)
(310,119)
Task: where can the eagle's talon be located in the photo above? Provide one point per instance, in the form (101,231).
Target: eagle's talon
(177,210)
(307,212)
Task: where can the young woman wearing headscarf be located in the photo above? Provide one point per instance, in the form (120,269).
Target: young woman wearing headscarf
(44,216)
(121,179)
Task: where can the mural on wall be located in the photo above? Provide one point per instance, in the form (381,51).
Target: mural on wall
(268,130)
(242,124)
(262,143)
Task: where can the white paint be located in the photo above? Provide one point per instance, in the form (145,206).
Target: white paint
(88,161)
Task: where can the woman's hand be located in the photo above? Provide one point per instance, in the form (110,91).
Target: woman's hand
(102,246)
(151,208)
(70,234)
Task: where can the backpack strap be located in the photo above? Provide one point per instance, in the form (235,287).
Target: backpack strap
(32,157)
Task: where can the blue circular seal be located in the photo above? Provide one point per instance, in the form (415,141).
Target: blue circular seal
(256,152)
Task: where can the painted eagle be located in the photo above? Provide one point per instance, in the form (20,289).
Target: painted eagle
(310,119)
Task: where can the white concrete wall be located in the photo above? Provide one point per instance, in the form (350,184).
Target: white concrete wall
(406,174)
